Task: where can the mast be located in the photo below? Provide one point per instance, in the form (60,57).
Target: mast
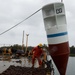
(27,41)
(61,0)
(23,41)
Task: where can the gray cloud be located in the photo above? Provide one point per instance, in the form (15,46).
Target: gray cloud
(14,11)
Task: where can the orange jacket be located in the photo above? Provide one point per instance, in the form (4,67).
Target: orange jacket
(37,51)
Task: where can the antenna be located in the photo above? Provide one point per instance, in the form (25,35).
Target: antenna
(61,0)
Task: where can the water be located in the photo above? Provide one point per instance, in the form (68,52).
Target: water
(5,64)
(70,67)
(24,62)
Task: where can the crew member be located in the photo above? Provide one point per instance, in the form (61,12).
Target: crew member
(37,52)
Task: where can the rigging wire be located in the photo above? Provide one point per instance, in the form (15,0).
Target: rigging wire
(20,22)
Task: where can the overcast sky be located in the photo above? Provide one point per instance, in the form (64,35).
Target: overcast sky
(14,11)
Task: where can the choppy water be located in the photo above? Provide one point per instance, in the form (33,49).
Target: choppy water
(5,64)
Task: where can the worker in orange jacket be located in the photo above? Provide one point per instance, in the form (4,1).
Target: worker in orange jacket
(37,52)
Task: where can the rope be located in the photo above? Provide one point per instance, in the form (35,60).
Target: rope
(20,22)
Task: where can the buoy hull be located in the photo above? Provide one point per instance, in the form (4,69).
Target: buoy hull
(57,36)
(60,54)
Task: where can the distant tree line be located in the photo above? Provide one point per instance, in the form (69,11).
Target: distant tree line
(72,51)
(16,47)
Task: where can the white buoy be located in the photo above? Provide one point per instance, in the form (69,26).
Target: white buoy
(57,35)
